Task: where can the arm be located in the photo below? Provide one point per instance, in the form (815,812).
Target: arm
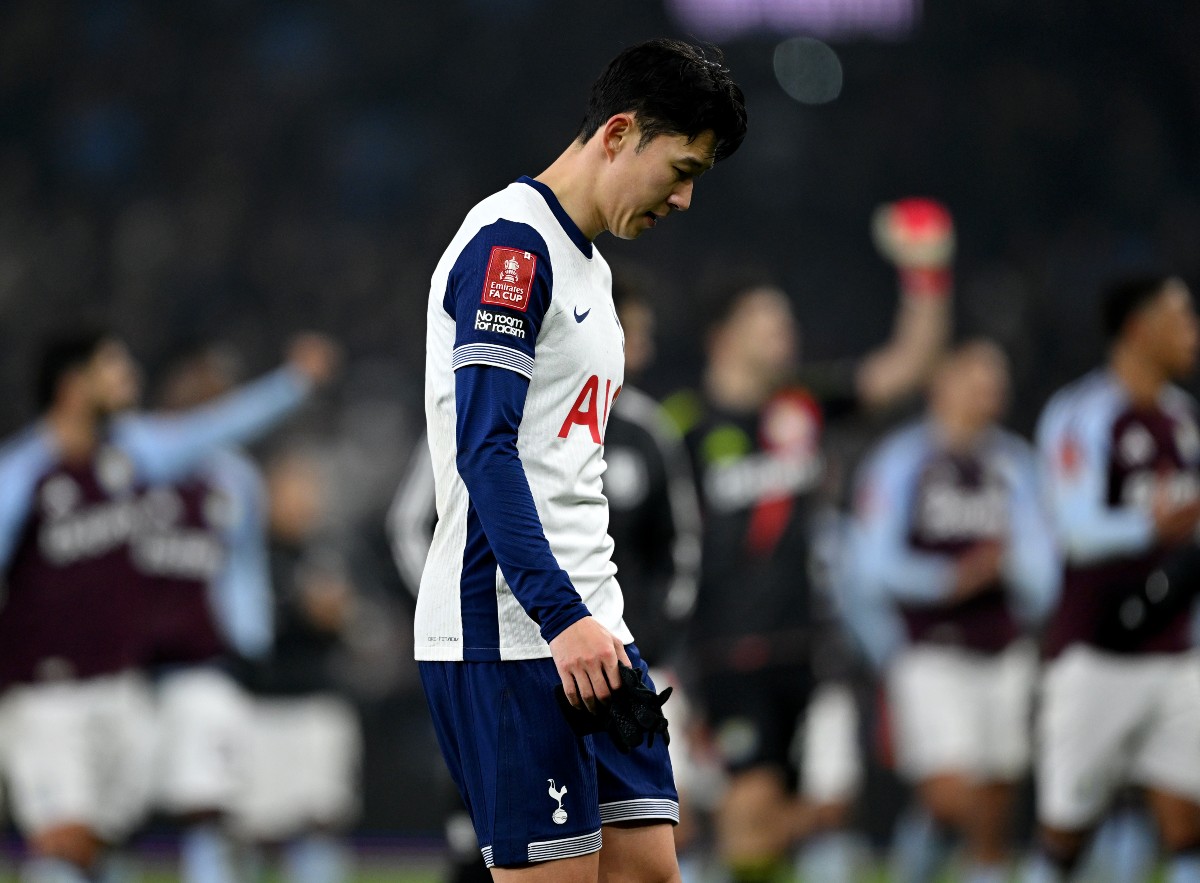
(1032,564)
(490,403)
(917,236)
(863,604)
(1074,452)
(883,508)
(242,590)
(166,447)
(22,463)
(409,518)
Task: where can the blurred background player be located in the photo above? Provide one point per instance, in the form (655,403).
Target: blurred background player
(1121,701)
(952,531)
(306,741)
(71,624)
(754,432)
(202,559)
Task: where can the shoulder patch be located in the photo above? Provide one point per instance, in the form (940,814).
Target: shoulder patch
(509,278)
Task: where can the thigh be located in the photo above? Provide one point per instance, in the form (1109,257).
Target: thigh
(638,786)
(1168,758)
(48,764)
(831,762)
(1005,711)
(204,721)
(1092,707)
(639,854)
(934,713)
(529,783)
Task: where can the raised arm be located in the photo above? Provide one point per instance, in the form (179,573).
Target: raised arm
(166,447)
(917,236)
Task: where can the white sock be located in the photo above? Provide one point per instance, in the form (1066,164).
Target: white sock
(52,870)
(1184,868)
(830,857)
(919,848)
(206,855)
(317,858)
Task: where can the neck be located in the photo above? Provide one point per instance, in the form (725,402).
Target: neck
(569,178)
(1141,378)
(957,432)
(736,387)
(76,432)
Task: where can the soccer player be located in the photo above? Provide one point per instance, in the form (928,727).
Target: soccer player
(518,595)
(951,530)
(71,622)
(759,634)
(202,562)
(1121,693)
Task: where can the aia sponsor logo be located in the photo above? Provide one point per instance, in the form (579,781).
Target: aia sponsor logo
(591,408)
(509,278)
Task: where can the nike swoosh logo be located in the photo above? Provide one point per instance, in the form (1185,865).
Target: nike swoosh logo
(579,317)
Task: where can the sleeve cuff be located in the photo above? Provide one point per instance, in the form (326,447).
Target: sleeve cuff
(565,617)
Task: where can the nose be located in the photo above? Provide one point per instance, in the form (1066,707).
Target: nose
(681,197)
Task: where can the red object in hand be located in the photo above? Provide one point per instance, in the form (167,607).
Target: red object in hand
(917,235)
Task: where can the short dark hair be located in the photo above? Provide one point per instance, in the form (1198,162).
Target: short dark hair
(1127,296)
(63,353)
(674,88)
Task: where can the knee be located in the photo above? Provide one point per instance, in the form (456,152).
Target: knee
(1061,848)
(1181,834)
(947,799)
(74,843)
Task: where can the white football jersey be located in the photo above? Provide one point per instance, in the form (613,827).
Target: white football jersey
(519,289)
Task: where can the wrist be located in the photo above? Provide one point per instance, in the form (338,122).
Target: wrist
(926,283)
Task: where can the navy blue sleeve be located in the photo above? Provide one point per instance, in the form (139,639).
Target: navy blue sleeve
(490,402)
(498,292)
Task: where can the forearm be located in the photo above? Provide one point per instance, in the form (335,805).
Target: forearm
(920,333)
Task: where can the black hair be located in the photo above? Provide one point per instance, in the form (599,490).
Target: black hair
(62,354)
(1127,296)
(674,88)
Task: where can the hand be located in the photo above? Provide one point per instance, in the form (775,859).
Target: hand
(977,569)
(1174,522)
(315,356)
(586,655)
(917,236)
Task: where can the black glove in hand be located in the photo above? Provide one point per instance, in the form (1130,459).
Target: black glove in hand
(633,713)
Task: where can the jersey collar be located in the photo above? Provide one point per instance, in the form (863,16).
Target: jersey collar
(581,242)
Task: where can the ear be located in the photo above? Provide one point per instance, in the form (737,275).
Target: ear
(619,133)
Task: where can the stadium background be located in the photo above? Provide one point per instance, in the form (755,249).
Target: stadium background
(240,170)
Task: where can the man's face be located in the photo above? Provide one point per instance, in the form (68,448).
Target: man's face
(1170,330)
(114,382)
(762,332)
(972,385)
(644,185)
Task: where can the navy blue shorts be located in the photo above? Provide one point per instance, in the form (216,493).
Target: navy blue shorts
(534,789)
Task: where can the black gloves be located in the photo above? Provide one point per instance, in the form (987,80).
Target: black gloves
(632,714)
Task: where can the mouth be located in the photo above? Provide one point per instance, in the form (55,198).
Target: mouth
(653,219)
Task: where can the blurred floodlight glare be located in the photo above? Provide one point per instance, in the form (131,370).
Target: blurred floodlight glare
(831,19)
(808,70)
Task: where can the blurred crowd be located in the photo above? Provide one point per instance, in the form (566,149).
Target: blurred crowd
(205,180)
